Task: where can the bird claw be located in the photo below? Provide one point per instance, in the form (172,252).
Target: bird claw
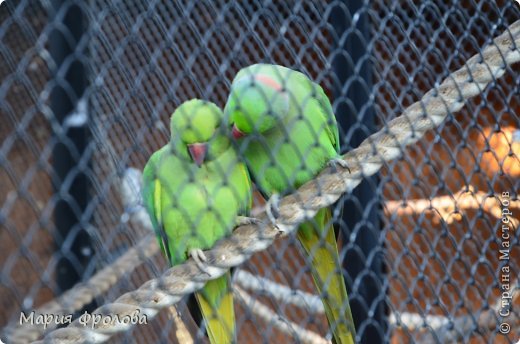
(272,208)
(199,258)
(245,221)
(338,161)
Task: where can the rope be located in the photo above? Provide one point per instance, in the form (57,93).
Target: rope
(321,192)
(281,293)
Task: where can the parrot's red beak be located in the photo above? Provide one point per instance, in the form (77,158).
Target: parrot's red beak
(237,134)
(198,152)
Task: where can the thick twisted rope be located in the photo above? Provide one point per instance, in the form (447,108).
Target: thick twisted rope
(321,192)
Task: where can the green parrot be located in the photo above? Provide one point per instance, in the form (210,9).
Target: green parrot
(289,134)
(194,190)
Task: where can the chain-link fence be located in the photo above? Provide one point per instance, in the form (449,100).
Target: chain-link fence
(429,250)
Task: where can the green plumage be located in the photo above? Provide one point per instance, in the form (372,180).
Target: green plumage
(292,135)
(192,206)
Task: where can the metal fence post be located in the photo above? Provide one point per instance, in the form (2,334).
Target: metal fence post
(71,157)
(351,58)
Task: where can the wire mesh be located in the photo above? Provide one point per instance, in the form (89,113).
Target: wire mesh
(420,242)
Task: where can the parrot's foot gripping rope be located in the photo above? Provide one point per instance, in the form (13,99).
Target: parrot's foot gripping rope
(272,208)
(200,258)
(246,221)
(338,161)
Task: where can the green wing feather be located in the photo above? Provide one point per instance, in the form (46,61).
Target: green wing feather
(332,126)
(216,304)
(322,112)
(151,193)
(325,267)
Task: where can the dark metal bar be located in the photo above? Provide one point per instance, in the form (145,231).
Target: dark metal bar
(71,136)
(356,117)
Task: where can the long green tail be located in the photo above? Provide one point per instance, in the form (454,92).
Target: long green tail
(216,304)
(325,272)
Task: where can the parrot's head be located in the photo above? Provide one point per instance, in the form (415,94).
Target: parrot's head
(257,102)
(197,131)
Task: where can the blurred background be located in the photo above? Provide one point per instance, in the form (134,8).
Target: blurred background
(86,91)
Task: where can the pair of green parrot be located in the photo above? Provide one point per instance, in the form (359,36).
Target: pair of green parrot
(196,186)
